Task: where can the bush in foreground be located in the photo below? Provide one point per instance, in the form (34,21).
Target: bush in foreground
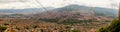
(2,28)
(114,27)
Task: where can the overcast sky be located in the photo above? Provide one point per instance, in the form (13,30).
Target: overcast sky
(20,4)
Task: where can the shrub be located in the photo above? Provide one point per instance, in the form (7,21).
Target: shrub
(75,30)
(114,27)
(2,28)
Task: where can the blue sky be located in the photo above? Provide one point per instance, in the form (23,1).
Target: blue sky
(21,4)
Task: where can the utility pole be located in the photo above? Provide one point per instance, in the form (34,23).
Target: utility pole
(119,12)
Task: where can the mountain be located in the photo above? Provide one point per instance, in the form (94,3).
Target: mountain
(97,10)
(76,13)
(26,10)
(72,8)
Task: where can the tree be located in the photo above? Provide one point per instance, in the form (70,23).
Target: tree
(75,30)
(2,28)
(114,27)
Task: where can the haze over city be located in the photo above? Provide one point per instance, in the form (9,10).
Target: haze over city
(20,4)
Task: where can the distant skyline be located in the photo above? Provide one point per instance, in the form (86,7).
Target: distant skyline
(20,4)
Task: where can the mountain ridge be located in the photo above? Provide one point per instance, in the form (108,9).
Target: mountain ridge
(72,7)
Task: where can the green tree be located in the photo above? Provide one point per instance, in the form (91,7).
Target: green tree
(2,28)
(75,30)
(114,27)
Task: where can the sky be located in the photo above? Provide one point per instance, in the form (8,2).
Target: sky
(21,4)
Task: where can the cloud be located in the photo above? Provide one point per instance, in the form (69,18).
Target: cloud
(17,4)
(11,1)
(56,3)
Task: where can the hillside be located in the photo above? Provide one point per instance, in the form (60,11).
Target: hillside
(96,10)
(76,14)
(26,10)
(68,18)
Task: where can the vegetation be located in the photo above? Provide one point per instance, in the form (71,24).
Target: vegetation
(75,30)
(2,28)
(49,20)
(6,24)
(114,27)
